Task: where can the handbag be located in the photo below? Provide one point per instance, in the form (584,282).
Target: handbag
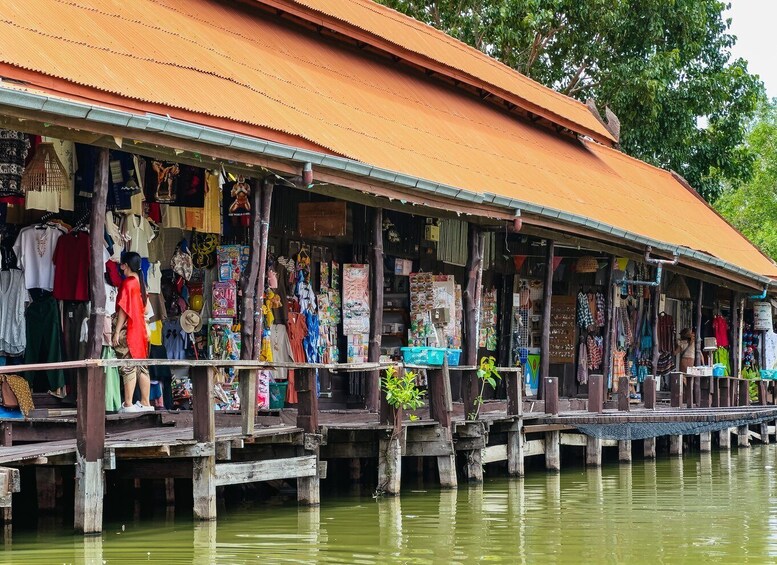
(9,399)
(181,261)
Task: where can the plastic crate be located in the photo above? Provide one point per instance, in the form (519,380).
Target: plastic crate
(423,355)
(769,374)
(454,356)
(277,395)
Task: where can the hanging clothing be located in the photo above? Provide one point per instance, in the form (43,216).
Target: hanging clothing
(131,302)
(281,348)
(14,146)
(594,353)
(770,349)
(71,261)
(582,363)
(44,337)
(174,339)
(34,249)
(721,356)
(112,384)
(618,365)
(13,300)
(297,331)
(137,233)
(584,318)
(208,218)
(600,309)
(720,328)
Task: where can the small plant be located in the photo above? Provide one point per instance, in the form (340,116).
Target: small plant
(488,375)
(402,392)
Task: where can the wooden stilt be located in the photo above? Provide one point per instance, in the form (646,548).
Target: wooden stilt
(170,491)
(675,445)
(547,296)
(593,451)
(46,487)
(765,433)
(553,451)
(743,436)
(390,464)
(446,467)
(515,462)
(705,442)
(203,468)
(90,401)
(649,448)
(624,451)
(372,395)
(724,438)
(474,466)
(550,384)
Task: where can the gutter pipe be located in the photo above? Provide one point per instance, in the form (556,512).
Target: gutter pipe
(24,100)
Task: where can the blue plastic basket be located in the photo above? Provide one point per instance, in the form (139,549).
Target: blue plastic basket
(454,356)
(423,355)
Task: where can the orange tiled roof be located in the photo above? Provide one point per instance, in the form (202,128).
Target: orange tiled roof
(383,27)
(218,64)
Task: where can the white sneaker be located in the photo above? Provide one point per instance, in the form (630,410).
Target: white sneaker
(128,409)
(143,408)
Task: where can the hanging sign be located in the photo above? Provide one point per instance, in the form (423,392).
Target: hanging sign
(762,316)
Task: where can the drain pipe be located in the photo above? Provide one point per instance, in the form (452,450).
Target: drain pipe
(659,263)
(760,296)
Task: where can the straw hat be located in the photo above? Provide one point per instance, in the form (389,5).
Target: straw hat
(678,289)
(587,264)
(191,321)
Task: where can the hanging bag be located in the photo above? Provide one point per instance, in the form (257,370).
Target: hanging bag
(9,399)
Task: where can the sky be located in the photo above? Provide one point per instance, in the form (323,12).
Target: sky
(754,24)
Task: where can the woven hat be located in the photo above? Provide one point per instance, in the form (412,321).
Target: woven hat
(587,264)
(678,289)
(45,171)
(191,322)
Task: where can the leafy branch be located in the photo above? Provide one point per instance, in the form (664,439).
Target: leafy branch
(488,375)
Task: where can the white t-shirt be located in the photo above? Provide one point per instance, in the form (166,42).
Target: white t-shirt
(138,233)
(34,250)
(154,278)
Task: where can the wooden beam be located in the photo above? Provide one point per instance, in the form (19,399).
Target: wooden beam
(609,327)
(267,470)
(440,403)
(249,278)
(470,299)
(699,355)
(264,234)
(307,407)
(547,294)
(376,310)
(203,468)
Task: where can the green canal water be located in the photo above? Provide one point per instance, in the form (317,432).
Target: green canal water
(709,508)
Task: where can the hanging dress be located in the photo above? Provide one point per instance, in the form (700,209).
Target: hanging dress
(297,330)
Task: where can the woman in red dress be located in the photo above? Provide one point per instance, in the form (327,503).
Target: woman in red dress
(130,337)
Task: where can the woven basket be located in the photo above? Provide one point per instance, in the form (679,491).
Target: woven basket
(587,264)
(45,172)
(678,289)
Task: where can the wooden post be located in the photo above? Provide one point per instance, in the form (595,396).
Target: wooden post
(440,402)
(744,392)
(46,487)
(649,392)
(724,438)
(764,433)
(553,450)
(715,389)
(736,345)
(372,395)
(547,297)
(624,451)
(264,234)
(675,445)
(675,389)
(204,428)
(705,387)
(743,436)
(471,296)
(474,465)
(656,306)
(390,463)
(307,407)
(551,395)
(90,401)
(623,394)
(595,390)
(762,393)
(724,397)
(696,391)
(649,448)
(515,464)
(699,354)
(593,451)
(609,333)
(705,442)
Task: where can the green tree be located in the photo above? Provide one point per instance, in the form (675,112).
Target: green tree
(752,206)
(661,65)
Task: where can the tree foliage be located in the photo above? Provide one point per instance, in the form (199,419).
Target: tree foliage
(661,65)
(752,206)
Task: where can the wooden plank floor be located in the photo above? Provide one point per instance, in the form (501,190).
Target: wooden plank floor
(661,415)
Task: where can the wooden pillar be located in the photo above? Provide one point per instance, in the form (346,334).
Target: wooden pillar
(204,428)
(699,360)
(390,464)
(724,396)
(623,394)
(656,306)
(761,393)
(649,448)
(553,450)
(46,487)
(724,438)
(474,465)
(471,300)
(624,451)
(372,395)
(675,389)
(446,469)
(263,234)
(90,401)
(649,392)
(593,451)
(515,464)
(743,436)
(675,445)
(609,330)
(744,392)
(595,391)
(440,401)
(307,407)
(705,388)
(696,391)
(765,433)
(705,442)
(736,343)
(546,307)
(550,384)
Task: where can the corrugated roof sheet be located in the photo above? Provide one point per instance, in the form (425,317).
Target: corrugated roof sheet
(406,33)
(221,63)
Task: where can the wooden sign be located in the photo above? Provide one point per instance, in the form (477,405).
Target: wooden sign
(563,310)
(322,219)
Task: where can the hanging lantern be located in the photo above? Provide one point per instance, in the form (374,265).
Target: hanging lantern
(678,289)
(587,264)
(45,172)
